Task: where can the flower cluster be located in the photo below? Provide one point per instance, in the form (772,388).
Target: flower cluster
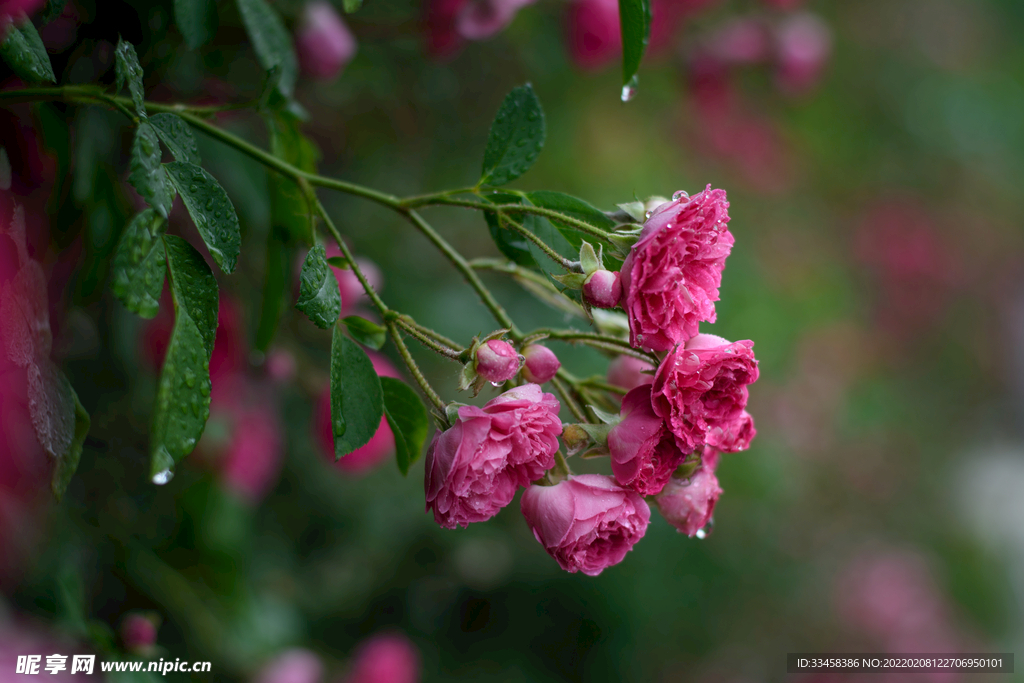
(676,417)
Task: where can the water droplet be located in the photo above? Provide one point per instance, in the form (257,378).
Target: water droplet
(680,194)
(161,478)
(647,214)
(193,187)
(706,531)
(496,384)
(629,90)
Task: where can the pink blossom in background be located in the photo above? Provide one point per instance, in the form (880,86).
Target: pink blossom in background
(643,450)
(497,361)
(442,40)
(740,41)
(688,504)
(385,658)
(297,665)
(379,447)
(138,632)
(280,365)
(667,16)
(629,372)
(803,46)
(586,522)
(480,19)
(323,42)
(353,296)
(13,8)
(671,276)
(700,390)
(785,5)
(540,364)
(252,461)
(473,469)
(592,32)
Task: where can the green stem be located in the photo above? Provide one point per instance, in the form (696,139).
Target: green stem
(541,244)
(423,338)
(599,341)
(414,369)
(436,336)
(568,400)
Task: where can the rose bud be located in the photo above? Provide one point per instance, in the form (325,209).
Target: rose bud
(473,469)
(671,276)
(586,522)
(292,666)
(380,445)
(481,19)
(497,361)
(628,372)
(643,450)
(603,289)
(687,504)
(593,32)
(804,44)
(138,632)
(541,364)
(323,42)
(385,658)
(700,390)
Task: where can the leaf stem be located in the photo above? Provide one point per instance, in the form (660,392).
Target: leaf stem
(568,400)
(425,339)
(565,263)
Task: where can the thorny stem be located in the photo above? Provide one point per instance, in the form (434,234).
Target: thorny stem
(423,338)
(403,351)
(436,336)
(568,399)
(541,244)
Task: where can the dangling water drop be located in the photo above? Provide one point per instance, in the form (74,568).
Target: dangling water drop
(706,531)
(629,90)
(161,478)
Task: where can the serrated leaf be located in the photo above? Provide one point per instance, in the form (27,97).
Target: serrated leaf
(510,243)
(357,403)
(197,21)
(183,393)
(67,464)
(128,70)
(351,6)
(271,41)
(211,211)
(319,298)
(635,23)
(408,420)
(177,135)
(516,137)
(139,264)
(24,52)
(366,332)
(148,177)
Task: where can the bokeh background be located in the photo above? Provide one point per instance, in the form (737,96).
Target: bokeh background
(873,153)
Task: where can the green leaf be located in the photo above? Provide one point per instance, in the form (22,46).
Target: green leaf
(197,21)
(339,262)
(366,332)
(357,404)
(25,53)
(351,6)
(148,177)
(211,211)
(319,298)
(635,21)
(139,264)
(510,243)
(183,393)
(574,208)
(177,135)
(516,137)
(277,286)
(127,68)
(289,207)
(67,464)
(408,420)
(271,41)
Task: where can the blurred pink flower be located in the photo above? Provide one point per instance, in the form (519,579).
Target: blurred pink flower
(804,43)
(385,658)
(586,522)
(480,19)
(671,276)
(13,8)
(297,665)
(473,469)
(323,42)
(138,632)
(252,460)
(380,446)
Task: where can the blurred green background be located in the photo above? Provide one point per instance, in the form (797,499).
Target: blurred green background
(877,268)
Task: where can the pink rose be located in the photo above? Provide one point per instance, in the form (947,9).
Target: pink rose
(701,391)
(628,372)
(586,522)
(292,666)
(385,658)
(323,42)
(377,449)
(474,468)
(541,364)
(643,450)
(497,361)
(671,276)
(688,504)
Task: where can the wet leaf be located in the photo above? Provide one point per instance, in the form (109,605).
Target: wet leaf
(139,264)
(148,176)
(128,70)
(197,21)
(408,420)
(271,41)
(366,332)
(318,289)
(24,52)
(51,403)
(177,135)
(357,404)
(510,243)
(516,137)
(635,22)
(67,464)
(211,211)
